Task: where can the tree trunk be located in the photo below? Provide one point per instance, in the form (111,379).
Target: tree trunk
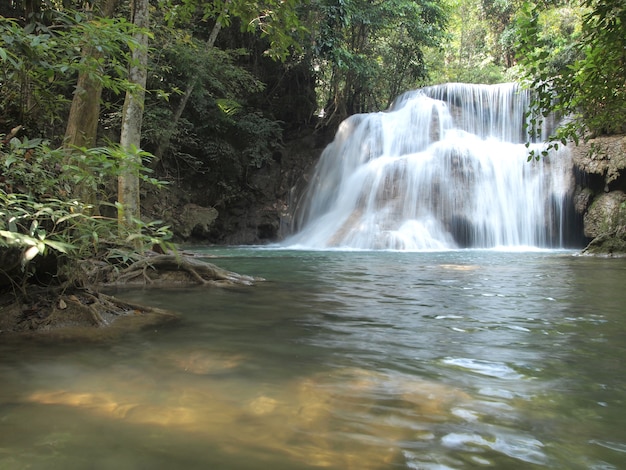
(132,116)
(164,142)
(82,122)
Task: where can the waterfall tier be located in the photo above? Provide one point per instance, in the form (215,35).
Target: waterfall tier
(444,168)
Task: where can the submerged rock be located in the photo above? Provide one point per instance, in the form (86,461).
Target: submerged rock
(306,421)
(68,311)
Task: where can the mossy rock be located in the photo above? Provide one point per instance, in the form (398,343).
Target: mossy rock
(606,214)
(611,244)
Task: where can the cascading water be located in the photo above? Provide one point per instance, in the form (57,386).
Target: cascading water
(445,167)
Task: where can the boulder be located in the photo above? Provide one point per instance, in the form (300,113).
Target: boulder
(606,213)
(612,244)
(194,220)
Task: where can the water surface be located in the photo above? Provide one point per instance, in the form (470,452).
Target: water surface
(341,360)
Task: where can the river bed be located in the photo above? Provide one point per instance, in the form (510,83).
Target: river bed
(343,360)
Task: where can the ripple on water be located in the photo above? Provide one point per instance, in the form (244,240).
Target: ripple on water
(616,446)
(518,447)
(489,368)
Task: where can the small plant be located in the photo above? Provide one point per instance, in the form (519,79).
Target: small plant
(34,227)
(42,213)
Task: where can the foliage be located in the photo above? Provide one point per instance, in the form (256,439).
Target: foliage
(476,49)
(34,227)
(222,134)
(366,52)
(257,135)
(600,76)
(39,63)
(174,64)
(275,20)
(39,212)
(585,81)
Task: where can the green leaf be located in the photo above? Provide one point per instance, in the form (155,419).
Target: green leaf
(61,247)
(69,216)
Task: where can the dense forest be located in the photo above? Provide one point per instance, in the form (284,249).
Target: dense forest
(109,106)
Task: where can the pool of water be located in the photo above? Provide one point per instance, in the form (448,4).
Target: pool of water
(341,360)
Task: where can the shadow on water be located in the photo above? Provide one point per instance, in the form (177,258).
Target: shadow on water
(341,360)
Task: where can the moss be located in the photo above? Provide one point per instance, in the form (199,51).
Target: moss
(609,244)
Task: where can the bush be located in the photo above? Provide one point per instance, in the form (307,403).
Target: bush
(41,211)
(586,81)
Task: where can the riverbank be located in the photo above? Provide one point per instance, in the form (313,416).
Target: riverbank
(86,312)
(75,313)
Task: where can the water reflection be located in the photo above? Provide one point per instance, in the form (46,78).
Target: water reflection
(342,361)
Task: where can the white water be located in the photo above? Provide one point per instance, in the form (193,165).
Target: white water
(446,167)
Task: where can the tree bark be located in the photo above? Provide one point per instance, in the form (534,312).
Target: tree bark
(82,123)
(132,117)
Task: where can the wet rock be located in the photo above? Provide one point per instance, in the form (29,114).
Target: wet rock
(606,214)
(611,244)
(582,200)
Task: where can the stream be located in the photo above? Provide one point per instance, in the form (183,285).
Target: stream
(459,359)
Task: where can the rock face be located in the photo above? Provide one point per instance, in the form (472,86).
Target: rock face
(264,217)
(601,193)
(604,157)
(197,213)
(196,220)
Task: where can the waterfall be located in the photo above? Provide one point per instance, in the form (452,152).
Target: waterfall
(444,168)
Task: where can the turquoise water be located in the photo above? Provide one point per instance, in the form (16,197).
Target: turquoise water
(341,360)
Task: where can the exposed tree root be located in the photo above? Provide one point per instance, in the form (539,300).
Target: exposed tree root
(611,244)
(77,313)
(71,311)
(176,270)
